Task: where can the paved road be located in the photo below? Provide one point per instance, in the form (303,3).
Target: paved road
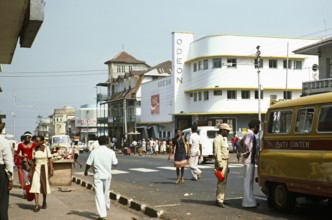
(150,180)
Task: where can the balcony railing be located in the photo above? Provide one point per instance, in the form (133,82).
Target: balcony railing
(318,86)
(102,97)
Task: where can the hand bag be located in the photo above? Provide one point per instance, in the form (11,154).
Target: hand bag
(219,175)
(30,196)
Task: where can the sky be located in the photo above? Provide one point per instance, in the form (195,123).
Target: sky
(77,37)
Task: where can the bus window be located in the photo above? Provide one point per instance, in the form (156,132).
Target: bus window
(304,120)
(325,119)
(280,121)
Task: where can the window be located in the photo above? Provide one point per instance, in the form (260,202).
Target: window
(304,120)
(123,69)
(273,64)
(217,92)
(289,64)
(325,119)
(256,94)
(231,63)
(231,94)
(261,63)
(287,95)
(195,67)
(200,96)
(118,69)
(280,121)
(199,65)
(205,64)
(191,94)
(130,68)
(216,63)
(195,97)
(206,95)
(298,65)
(245,94)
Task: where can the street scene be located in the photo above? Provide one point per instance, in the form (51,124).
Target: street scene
(165,109)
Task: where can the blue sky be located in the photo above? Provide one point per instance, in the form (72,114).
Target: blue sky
(66,60)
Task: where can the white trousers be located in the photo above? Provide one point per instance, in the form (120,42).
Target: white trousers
(248,186)
(102,197)
(193,162)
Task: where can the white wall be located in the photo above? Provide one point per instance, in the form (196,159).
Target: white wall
(163,87)
(243,77)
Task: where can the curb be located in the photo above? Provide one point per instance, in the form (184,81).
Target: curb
(149,211)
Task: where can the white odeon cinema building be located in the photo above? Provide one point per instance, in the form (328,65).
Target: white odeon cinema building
(215,79)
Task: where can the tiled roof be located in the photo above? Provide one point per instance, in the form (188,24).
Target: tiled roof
(164,67)
(124,57)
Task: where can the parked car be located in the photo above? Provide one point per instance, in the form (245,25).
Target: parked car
(230,147)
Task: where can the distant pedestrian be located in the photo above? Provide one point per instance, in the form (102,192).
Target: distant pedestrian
(249,162)
(134,146)
(195,146)
(76,151)
(156,147)
(102,159)
(221,154)
(6,173)
(24,153)
(180,155)
(144,146)
(163,146)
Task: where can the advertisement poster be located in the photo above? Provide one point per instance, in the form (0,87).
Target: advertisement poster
(155,104)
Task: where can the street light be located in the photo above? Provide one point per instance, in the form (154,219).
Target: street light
(87,127)
(258,57)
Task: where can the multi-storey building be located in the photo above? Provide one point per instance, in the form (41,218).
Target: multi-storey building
(219,78)
(123,75)
(59,120)
(43,127)
(322,49)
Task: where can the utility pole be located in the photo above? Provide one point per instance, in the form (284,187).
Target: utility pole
(287,61)
(258,58)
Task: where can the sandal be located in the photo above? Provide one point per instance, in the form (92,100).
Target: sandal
(178,180)
(36,209)
(44,206)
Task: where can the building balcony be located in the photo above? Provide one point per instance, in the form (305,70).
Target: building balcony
(102,97)
(317,86)
(102,120)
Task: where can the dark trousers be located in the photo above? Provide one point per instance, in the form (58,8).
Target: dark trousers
(4,194)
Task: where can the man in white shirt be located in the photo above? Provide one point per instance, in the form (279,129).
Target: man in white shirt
(102,159)
(6,171)
(195,153)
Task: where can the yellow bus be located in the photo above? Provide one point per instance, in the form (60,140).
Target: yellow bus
(295,158)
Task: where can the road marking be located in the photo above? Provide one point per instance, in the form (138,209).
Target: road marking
(207,166)
(235,165)
(167,168)
(119,172)
(144,170)
(82,173)
(167,205)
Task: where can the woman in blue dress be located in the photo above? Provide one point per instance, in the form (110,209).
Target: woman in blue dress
(180,155)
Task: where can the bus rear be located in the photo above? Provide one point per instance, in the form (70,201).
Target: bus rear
(296,153)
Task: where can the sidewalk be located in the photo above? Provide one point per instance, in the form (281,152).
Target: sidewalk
(76,204)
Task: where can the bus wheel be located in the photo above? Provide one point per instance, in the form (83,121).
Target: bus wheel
(281,199)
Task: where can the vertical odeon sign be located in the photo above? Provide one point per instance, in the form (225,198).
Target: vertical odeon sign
(181,43)
(179,60)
